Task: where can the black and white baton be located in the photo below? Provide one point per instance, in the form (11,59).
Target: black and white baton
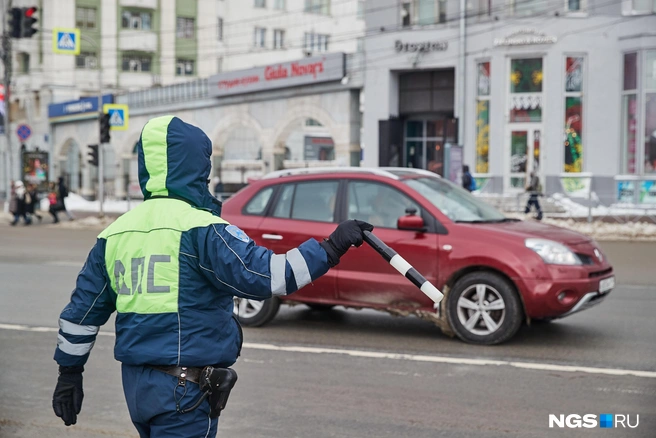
(405,268)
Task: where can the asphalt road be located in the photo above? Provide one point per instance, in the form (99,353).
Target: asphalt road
(340,373)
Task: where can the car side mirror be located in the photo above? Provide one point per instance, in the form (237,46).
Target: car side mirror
(411,222)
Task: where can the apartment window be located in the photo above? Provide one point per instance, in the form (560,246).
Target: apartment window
(573,5)
(219,29)
(23,62)
(260,3)
(483,118)
(573,137)
(185,27)
(529,7)
(317,6)
(85,18)
(86,60)
(136,20)
(279,5)
(259,37)
(136,63)
(422,12)
(315,42)
(185,67)
(278,38)
(219,64)
(360,10)
(638,7)
(477,8)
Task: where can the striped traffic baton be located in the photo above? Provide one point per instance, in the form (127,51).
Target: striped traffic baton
(401,265)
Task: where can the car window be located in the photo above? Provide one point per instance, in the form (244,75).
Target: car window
(284,204)
(258,204)
(378,204)
(315,201)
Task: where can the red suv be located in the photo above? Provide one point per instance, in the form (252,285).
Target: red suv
(495,272)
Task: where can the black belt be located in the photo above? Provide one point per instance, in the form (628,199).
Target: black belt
(191,374)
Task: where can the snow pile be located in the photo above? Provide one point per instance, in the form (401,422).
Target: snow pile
(75,202)
(608,231)
(574,209)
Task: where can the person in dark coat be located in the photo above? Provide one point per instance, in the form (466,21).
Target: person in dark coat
(534,190)
(468,182)
(21,199)
(32,207)
(62,193)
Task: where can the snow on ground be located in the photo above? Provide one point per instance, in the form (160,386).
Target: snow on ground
(574,209)
(75,202)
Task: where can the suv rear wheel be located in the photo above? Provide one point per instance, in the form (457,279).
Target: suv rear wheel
(252,313)
(483,308)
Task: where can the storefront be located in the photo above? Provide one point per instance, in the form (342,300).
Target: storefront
(573,100)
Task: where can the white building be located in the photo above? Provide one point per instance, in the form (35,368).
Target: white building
(140,44)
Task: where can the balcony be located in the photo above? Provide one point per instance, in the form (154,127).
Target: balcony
(137,40)
(146,4)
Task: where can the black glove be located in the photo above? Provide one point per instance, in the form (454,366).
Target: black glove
(67,399)
(347,233)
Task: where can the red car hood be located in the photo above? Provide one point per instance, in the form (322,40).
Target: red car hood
(526,229)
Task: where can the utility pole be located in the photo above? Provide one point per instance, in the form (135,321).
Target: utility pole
(6,59)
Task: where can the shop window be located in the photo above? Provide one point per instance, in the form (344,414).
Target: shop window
(185,67)
(317,7)
(185,27)
(650,112)
(483,118)
(526,90)
(86,60)
(85,18)
(630,113)
(573,138)
(137,20)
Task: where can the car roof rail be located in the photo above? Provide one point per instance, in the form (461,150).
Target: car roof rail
(312,170)
(412,170)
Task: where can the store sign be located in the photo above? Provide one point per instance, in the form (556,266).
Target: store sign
(75,108)
(525,37)
(286,74)
(426,46)
(318,148)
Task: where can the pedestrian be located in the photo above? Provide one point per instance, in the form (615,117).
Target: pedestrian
(53,200)
(171,268)
(33,207)
(534,189)
(20,201)
(468,181)
(63,194)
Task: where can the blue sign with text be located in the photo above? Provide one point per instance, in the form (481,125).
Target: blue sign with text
(77,107)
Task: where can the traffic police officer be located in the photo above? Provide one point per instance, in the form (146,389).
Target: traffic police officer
(170,269)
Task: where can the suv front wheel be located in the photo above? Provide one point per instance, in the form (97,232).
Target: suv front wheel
(253,313)
(483,308)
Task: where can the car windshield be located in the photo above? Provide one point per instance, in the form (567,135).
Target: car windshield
(456,203)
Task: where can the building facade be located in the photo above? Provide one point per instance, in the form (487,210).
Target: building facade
(565,88)
(142,44)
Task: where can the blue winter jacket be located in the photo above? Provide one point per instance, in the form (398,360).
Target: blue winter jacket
(171,266)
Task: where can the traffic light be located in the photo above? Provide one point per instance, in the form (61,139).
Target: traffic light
(93,155)
(15,22)
(28,21)
(104,128)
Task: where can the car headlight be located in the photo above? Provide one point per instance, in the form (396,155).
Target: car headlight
(552,252)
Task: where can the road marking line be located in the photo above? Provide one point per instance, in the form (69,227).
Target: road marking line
(397,356)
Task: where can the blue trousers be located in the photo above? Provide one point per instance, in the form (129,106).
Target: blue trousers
(151,396)
(533,201)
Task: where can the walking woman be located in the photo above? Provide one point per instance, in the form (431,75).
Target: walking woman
(20,201)
(32,208)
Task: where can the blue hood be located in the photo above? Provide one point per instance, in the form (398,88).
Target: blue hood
(174,161)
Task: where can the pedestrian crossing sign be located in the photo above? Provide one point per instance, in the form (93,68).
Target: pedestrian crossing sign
(118,116)
(66,41)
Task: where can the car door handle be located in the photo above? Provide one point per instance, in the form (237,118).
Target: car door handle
(272,236)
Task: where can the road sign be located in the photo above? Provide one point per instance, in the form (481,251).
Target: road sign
(66,41)
(23,132)
(118,116)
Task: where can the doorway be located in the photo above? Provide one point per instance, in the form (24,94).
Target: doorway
(425,142)
(524,145)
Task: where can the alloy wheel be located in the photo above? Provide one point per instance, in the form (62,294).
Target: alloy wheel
(481,309)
